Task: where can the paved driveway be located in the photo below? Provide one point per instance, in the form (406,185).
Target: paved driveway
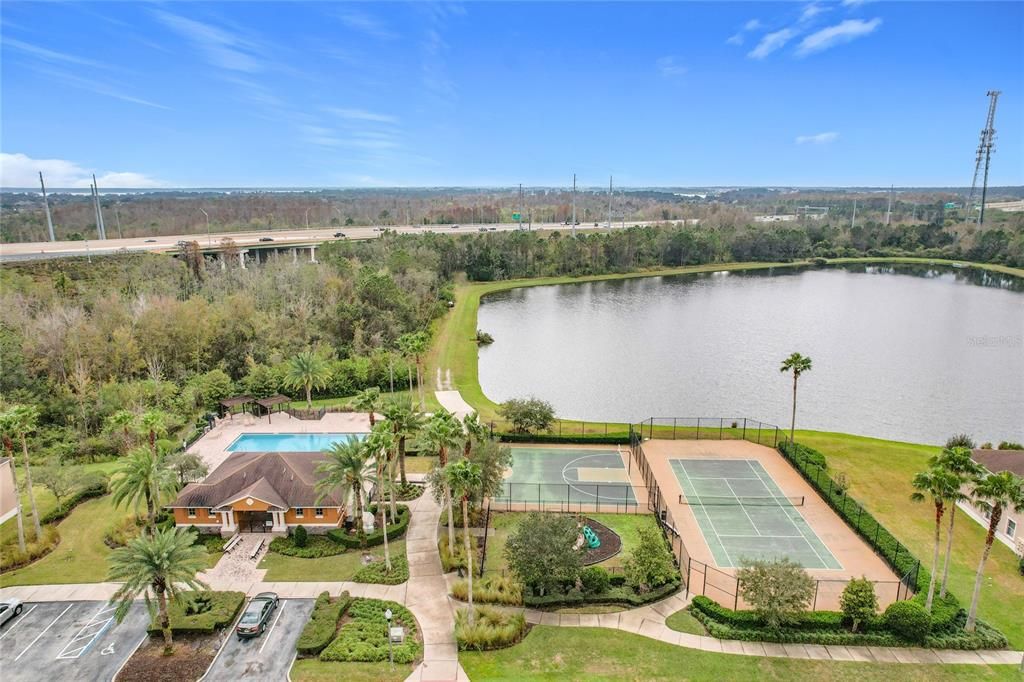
(68,641)
(269,656)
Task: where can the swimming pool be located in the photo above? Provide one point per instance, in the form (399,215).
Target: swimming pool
(289,442)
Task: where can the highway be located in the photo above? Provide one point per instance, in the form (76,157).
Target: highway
(212,242)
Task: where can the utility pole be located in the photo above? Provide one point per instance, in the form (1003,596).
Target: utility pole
(520,214)
(117,217)
(573,204)
(853,221)
(609,202)
(95,211)
(99,209)
(307,227)
(46,204)
(988,137)
(209,238)
(888,207)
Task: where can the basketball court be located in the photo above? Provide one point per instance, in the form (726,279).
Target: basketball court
(584,478)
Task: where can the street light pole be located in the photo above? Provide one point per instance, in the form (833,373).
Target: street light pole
(391,655)
(307,218)
(209,238)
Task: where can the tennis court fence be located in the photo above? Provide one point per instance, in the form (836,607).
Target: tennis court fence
(708,428)
(612,498)
(699,578)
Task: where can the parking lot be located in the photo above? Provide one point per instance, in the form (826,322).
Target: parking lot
(69,641)
(269,656)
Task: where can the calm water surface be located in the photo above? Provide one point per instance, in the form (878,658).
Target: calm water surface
(908,352)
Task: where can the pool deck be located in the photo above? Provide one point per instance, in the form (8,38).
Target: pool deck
(212,447)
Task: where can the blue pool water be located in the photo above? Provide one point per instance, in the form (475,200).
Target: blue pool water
(288,442)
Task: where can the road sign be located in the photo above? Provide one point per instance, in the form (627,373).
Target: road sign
(516,216)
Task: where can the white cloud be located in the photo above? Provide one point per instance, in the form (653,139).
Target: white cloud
(362,115)
(96,87)
(841,33)
(19,170)
(752,25)
(364,23)
(854,3)
(820,138)
(50,55)
(772,42)
(219,47)
(735,39)
(669,67)
(812,10)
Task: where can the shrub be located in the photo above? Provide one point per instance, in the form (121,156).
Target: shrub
(595,579)
(323,624)
(945,610)
(395,530)
(299,536)
(1010,445)
(960,440)
(450,562)
(492,589)
(909,620)
(527,414)
(858,602)
(201,612)
(121,532)
(491,629)
(541,552)
(780,591)
(483,338)
(408,492)
(650,565)
(316,547)
(365,637)
(11,557)
(96,486)
(610,438)
(376,572)
(624,596)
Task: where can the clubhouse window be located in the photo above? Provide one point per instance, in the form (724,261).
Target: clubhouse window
(318,512)
(191,511)
(299,512)
(1011,527)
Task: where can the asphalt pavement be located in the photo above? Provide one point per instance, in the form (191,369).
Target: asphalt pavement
(269,656)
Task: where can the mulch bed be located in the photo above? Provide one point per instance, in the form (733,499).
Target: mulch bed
(192,656)
(611,544)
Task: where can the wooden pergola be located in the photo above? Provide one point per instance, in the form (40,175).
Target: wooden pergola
(268,404)
(228,405)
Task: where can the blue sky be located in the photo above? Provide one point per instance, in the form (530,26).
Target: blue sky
(326,94)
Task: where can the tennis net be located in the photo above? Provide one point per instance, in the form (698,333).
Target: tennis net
(742,501)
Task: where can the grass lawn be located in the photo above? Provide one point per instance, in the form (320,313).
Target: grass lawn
(45,501)
(315,670)
(682,621)
(281,568)
(552,653)
(420,464)
(879,472)
(81,556)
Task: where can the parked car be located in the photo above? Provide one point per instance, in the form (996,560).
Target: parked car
(455,227)
(266,239)
(150,241)
(339,235)
(256,615)
(9,608)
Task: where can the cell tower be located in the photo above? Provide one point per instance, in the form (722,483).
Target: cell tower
(988,135)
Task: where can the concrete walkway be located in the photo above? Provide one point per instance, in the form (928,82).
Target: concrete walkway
(454,403)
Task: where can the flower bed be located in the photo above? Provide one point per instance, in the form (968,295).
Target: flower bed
(364,637)
(490,589)
(200,612)
(395,530)
(375,572)
(316,546)
(492,629)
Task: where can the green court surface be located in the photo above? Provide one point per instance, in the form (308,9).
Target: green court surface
(546,475)
(744,515)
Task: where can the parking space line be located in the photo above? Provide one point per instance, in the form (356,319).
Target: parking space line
(276,621)
(20,621)
(91,631)
(52,623)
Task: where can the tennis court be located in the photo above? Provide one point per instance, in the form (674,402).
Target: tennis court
(743,514)
(543,476)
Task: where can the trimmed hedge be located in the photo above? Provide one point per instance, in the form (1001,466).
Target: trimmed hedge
(900,559)
(375,573)
(831,628)
(316,547)
(323,624)
(395,530)
(97,488)
(909,620)
(614,595)
(610,439)
(218,610)
(365,637)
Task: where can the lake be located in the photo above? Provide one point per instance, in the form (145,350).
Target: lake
(913,353)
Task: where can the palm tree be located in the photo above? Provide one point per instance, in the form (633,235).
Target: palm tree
(476,432)
(367,401)
(381,442)
(154,425)
(441,433)
(939,485)
(121,422)
(999,491)
(958,461)
(307,371)
(21,420)
(346,469)
(462,478)
(414,346)
(406,423)
(798,364)
(144,477)
(164,564)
